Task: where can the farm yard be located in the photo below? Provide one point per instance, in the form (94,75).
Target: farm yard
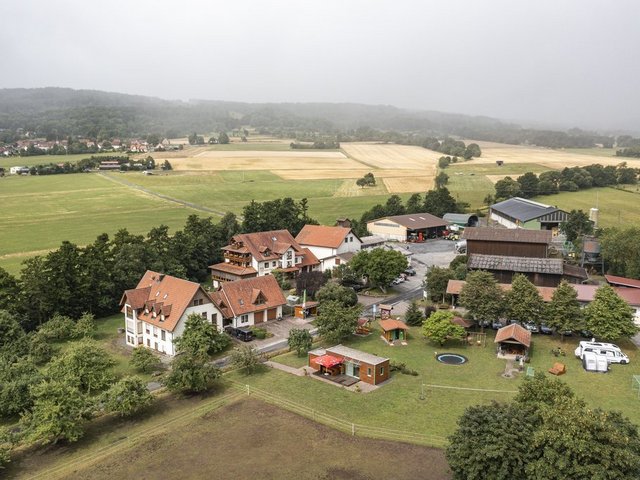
(40,212)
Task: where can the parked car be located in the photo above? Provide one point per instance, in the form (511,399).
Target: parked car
(585,333)
(397,281)
(532,327)
(244,334)
(497,324)
(546,330)
(410,271)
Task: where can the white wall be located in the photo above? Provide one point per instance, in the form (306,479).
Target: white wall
(502,221)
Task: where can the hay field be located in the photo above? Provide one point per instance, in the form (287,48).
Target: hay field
(386,156)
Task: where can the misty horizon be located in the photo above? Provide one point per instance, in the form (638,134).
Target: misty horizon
(544,64)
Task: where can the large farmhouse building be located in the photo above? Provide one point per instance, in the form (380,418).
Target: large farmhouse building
(523,213)
(502,241)
(258,254)
(155,311)
(414,226)
(331,245)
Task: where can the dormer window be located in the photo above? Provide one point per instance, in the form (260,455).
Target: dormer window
(157,293)
(165,296)
(241,301)
(153,314)
(146,310)
(162,318)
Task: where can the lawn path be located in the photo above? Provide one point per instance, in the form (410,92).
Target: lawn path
(167,198)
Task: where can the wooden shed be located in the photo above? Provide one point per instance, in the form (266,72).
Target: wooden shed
(347,365)
(513,340)
(385,310)
(393,330)
(309,309)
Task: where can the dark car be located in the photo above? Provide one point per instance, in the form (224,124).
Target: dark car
(586,333)
(544,329)
(497,325)
(244,334)
(532,327)
(410,271)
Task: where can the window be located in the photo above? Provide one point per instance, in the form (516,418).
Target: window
(162,335)
(148,342)
(244,318)
(129,312)
(368,371)
(162,318)
(289,255)
(197,301)
(337,261)
(204,315)
(148,331)
(274,263)
(214,318)
(266,264)
(381,370)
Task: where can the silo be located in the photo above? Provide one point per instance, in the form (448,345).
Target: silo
(593,216)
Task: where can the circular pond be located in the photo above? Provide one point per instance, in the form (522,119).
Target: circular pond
(451,358)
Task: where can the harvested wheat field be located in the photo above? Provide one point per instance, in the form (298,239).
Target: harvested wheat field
(274,444)
(383,156)
(546,157)
(408,184)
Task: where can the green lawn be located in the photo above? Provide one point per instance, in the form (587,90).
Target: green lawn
(470,188)
(397,404)
(7,162)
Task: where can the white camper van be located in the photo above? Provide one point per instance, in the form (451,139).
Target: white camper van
(611,352)
(593,362)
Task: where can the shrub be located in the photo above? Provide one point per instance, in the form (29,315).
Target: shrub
(127,396)
(259,333)
(144,360)
(85,326)
(59,327)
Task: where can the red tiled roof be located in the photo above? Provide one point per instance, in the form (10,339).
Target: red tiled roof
(275,242)
(158,295)
(234,269)
(585,292)
(322,236)
(390,324)
(241,295)
(622,281)
(308,259)
(514,332)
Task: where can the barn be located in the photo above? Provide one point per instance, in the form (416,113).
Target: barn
(524,213)
(411,227)
(504,241)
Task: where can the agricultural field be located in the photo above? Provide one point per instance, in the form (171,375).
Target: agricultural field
(40,212)
(8,162)
(275,444)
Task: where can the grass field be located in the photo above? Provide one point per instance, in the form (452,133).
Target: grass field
(274,444)
(8,162)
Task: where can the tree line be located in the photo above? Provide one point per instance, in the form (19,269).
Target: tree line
(567,180)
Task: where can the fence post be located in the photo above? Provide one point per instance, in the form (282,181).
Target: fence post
(353,429)
(248,392)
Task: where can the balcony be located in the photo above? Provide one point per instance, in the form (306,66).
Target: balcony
(243,260)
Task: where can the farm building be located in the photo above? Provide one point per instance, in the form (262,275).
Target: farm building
(503,241)
(393,330)
(248,302)
(348,366)
(109,165)
(513,340)
(415,226)
(155,311)
(616,281)
(372,241)
(461,219)
(331,245)
(258,254)
(544,272)
(523,213)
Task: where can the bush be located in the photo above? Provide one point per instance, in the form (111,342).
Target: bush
(85,326)
(246,358)
(300,340)
(40,350)
(127,396)
(144,360)
(59,327)
(259,333)
(191,374)
(402,368)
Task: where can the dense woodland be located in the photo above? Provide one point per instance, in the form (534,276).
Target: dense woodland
(58,113)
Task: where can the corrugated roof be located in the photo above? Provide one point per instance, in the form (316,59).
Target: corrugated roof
(356,355)
(622,281)
(514,332)
(552,266)
(459,218)
(523,209)
(513,235)
(415,221)
(574,271)
(629,295)
(322,236)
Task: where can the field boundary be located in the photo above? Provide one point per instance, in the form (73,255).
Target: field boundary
(345,426)
(84,460)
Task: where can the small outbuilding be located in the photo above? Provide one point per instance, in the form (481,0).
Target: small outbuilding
(393,330)
(513,341)
(306,310)
(385,310)
(347,366)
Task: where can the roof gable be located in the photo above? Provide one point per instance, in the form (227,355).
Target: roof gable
(323,236)
(514,333)
(265,245)
(243,296)
(523,209)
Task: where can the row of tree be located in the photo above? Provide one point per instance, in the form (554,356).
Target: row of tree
(607,317)
(567,180)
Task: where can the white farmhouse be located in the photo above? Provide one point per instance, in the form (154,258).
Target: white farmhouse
(331,245)
(155,311)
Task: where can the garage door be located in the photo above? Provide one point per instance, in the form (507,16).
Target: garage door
(258,317)
(272,313)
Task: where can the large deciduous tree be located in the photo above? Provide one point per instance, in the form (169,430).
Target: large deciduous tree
(200,337)
(84,365)
(563,312)
(379,265)
(300,340)
(523,302)
(507,188)
(191,374)
(621,250)
(332,292)
(608,316)
(144,360)
(436,281)
(16,379)
(439,201)
(439,328)
(336,322)
(482,296)
(576,225)
(246,358)
(127,396)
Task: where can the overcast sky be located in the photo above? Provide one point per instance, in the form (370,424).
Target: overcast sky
(560,62)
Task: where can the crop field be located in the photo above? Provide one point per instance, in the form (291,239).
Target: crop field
(8,162)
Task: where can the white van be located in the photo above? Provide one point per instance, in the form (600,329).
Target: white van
(593,362)
(612,352)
